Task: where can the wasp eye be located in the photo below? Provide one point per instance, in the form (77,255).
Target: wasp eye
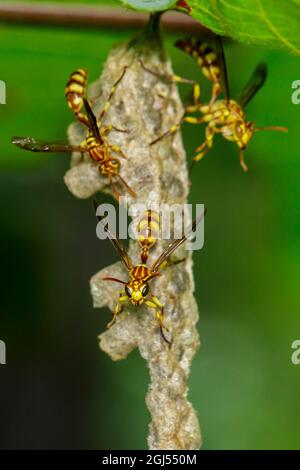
(239,130)
(114,162)
(145,290)
(128,291)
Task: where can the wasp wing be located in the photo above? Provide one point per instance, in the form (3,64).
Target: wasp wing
(176,243)
(222,65)
(114,240)
(92,120)
(38,145)
(256,81)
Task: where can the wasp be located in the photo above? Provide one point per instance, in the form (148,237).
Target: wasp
(222,116)
(137,289)
(96,143)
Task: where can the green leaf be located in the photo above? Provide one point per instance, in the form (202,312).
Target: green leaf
(149,5)
(274,23)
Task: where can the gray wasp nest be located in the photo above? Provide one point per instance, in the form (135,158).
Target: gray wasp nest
(146,106)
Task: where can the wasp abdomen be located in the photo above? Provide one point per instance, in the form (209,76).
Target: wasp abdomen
(148,232)
(205,56)
(75,90)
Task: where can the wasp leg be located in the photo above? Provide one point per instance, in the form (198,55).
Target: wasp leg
(205,147)
(159,313)
(176,127)
(104,131)
(190,119)
(197,103)
(242,161)
(195,120)
(93,100)
(207,144)
(117,149)
(169,262)
(199,156)
(171,131)
(160,316)
(118,308)
(111,94)
(114,148)
(216,90)
(209,134)
(168,77)
(117,129)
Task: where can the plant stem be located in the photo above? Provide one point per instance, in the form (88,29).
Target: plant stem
(89,16)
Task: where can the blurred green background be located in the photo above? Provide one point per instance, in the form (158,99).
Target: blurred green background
(58,390)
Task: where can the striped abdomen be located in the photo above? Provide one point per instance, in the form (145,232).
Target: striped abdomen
(148,232)
(205,56)
(75,90)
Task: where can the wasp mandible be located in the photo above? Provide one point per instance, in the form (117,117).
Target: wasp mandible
(222,116)
(137,289)
(96,143)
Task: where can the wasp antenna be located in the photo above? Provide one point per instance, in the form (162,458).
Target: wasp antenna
(95,206)
(154,274)
(191,167)
(96,203)
(112,279)
(169,342)
(272,128)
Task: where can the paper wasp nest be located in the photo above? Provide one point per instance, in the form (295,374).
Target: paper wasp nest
(147,105)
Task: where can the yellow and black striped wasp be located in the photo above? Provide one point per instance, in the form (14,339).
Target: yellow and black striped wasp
(96,143)
(222,116)
(137,289)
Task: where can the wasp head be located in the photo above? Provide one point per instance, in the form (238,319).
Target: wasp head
(114,166)
(137,292)
(243,133)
